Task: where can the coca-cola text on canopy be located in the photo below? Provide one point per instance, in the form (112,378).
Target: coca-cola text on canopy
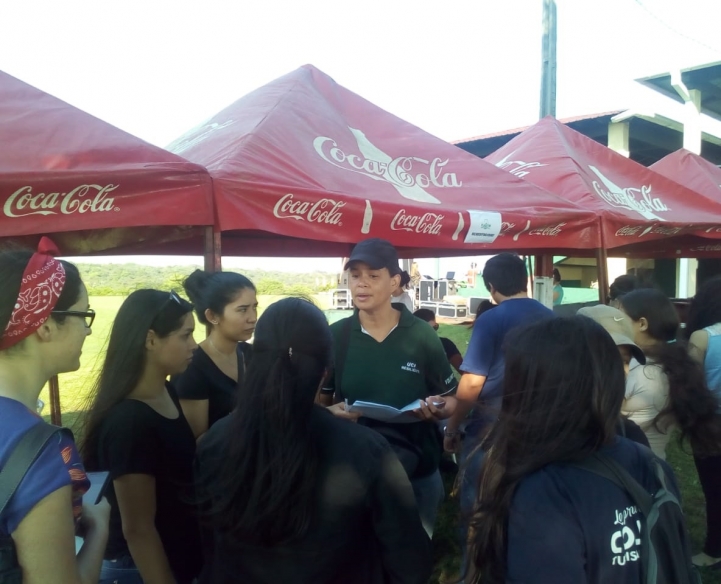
(409,175)
(519,168)
(625,198)
(325,211)
(427,223)
(82,199)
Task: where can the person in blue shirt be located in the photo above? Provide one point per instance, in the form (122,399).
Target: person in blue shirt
(538,518)
(45,318)
(480,390)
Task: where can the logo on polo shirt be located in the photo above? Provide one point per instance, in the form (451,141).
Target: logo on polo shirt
(411,367)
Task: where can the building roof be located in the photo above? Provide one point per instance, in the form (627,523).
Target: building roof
(515,131)
(706,78)
(651,135)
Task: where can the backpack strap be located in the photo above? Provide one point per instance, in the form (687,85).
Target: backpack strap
(22,457)
(608,468)
(648,504)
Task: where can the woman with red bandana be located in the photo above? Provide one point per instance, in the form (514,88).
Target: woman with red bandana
(45,318)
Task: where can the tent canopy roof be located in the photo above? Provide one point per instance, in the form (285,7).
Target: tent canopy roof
(307,159)
(63,171)
(692,171)
(635,203)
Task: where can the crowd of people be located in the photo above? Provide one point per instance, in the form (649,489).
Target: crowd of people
(236,462)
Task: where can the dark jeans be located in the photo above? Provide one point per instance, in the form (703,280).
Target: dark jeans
(709,474)
(120,571)
(470,468)
(429,494)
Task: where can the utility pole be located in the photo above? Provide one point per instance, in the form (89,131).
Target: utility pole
(544,263)
(548,60)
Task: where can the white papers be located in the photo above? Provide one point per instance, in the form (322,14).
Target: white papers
(385,413)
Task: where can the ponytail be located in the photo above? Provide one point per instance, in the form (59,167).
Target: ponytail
(266,490)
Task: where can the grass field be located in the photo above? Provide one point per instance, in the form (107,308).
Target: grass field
(75,388)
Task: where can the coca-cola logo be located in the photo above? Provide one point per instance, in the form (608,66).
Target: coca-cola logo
(518,168)
(409,175)
(196,136)
(637,199)
(428,223)
(506,227)
(552,230)
(627,198)
(716,247)
(82,199)
(641,230)
(547,230)
(628,230)
(325,211)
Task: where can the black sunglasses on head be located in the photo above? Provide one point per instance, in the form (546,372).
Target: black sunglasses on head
(88,315)
(172,297)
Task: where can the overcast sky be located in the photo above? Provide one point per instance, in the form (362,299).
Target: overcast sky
(456,68)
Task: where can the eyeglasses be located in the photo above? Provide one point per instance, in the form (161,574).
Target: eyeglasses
(88,315)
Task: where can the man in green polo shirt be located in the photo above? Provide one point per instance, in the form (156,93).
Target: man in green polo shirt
(387,356)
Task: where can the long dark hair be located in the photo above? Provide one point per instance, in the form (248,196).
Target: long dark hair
(705,307)
(690,403)
(563,389)
(143,310)
(214,290)
(266,489)
(12,265)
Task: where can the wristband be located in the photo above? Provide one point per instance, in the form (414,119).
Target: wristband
(450,434)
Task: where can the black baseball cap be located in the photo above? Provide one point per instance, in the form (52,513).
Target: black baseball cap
(377,254)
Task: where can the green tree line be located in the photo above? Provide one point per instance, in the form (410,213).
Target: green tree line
(122,279)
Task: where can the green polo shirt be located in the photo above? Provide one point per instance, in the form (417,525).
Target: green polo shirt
(409,364)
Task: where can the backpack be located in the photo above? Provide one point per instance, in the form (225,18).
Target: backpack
(13,470)
(665,542)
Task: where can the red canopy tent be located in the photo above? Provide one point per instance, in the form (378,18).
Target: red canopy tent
(692,171)
(93,187)
(697,173)
(305,167)
(642,213)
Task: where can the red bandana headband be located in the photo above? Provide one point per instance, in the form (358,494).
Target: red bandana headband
(43,281)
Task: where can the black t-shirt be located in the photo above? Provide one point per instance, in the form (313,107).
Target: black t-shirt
(203,380)
(366,529)
(449,347)
(135,439)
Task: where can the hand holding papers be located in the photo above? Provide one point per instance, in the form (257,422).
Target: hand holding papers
(385,413)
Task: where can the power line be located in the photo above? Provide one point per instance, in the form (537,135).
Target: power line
(675,30)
